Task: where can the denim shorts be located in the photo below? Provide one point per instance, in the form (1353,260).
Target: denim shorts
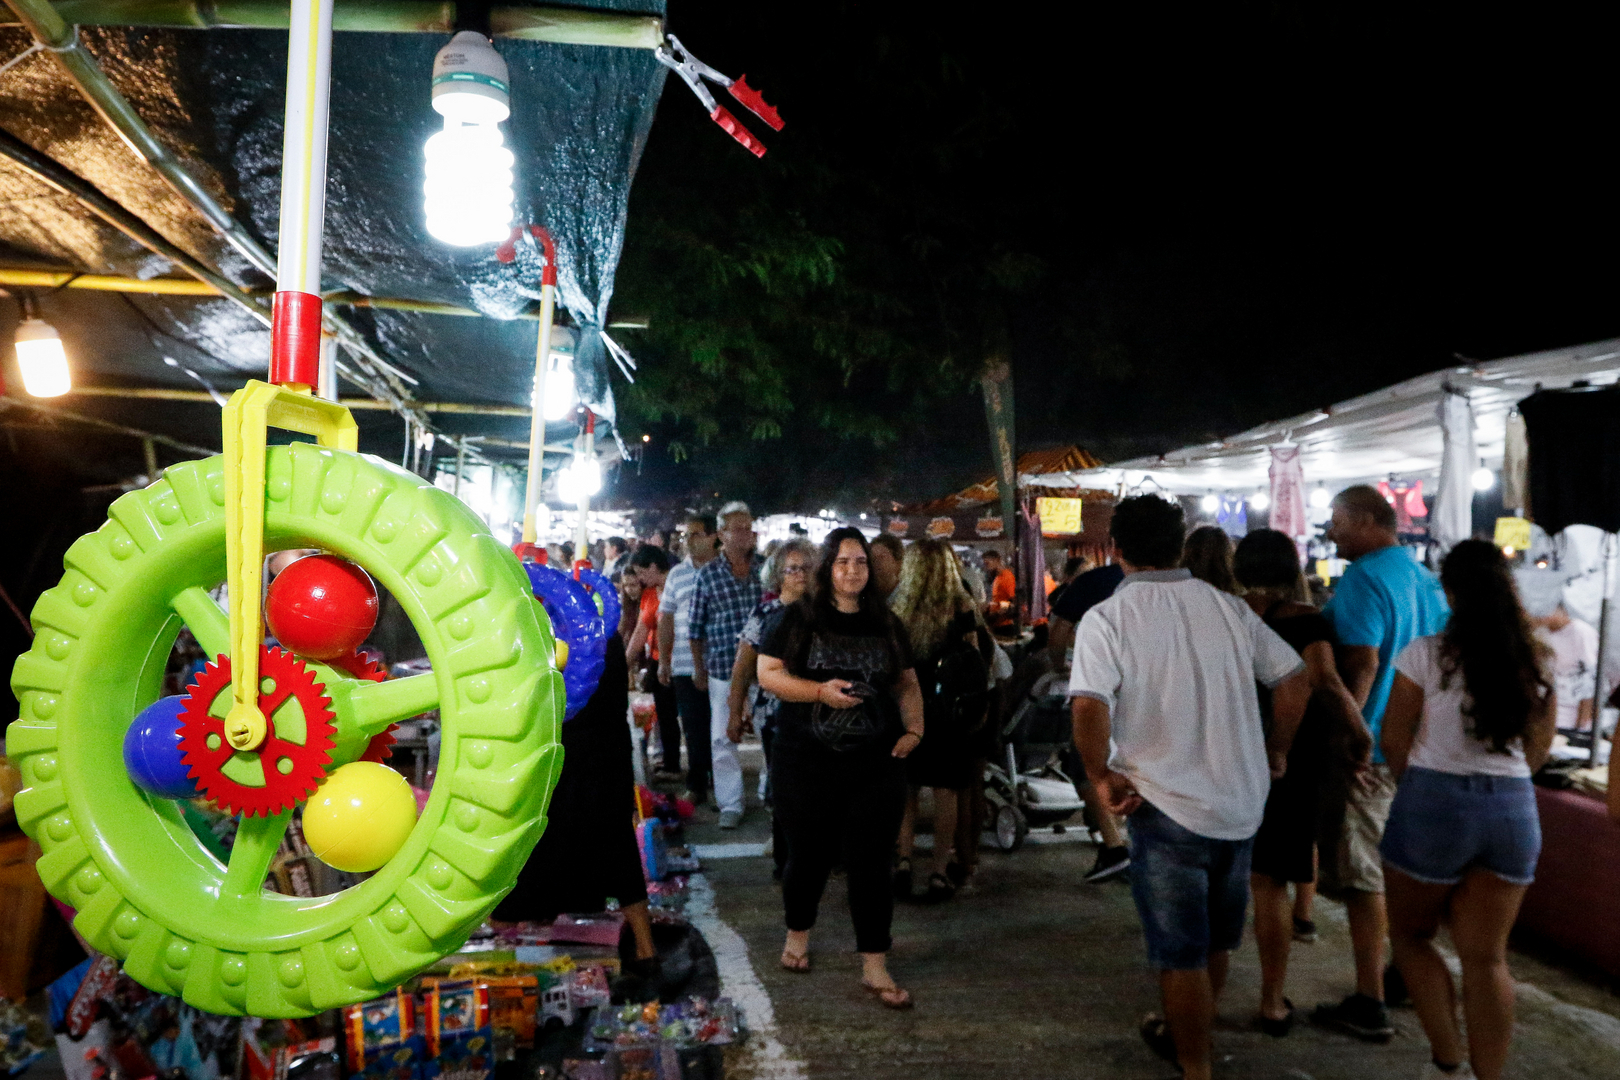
(1191,892)
(1444,824)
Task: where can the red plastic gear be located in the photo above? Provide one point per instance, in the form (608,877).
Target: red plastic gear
(362,666)
(281,790)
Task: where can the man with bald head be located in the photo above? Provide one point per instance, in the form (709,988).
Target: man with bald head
(1384,601)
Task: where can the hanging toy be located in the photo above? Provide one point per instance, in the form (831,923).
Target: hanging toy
(321,606)
(152,751)
(360,817)
(576,623)
(282,769)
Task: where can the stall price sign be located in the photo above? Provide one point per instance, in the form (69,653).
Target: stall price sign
(1513,534)
(1059,517)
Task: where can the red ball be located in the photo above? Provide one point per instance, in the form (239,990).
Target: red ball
(321,606)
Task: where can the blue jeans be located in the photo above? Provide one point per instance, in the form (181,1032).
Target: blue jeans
(1191,892)
(1444,824)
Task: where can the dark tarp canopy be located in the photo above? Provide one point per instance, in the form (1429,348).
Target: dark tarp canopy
(214,97)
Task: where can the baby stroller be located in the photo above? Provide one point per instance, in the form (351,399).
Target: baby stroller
(1029,788)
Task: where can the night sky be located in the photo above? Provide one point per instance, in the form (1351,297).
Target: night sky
(1240,211)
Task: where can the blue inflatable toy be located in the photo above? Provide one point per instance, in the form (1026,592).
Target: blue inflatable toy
(152,751)
(607,598)
(575,620)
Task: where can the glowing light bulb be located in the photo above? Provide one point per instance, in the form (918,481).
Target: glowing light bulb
(579,480)
(1484,479)
(1320,497)
(42,360)
(560,394)
(1259,500)
(468,190)
(1210,503)
(468,186)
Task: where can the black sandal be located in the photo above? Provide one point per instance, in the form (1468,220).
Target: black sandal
(902,879)
(940,889)
(1156,1033)
(1278,1029)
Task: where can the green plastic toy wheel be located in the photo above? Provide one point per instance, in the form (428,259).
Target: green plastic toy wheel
(145,888)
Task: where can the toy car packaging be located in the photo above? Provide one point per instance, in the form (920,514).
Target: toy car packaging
(513,1002)
(460,1041)
(377,1026)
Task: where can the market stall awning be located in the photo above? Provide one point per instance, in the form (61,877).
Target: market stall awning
(1393,431)
(443,325)
(1035,463)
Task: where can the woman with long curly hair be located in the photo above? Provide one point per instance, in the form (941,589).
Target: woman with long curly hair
(851,712)
(1470,718)
(951,645)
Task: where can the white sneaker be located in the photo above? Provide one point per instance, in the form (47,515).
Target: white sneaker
(1431,1071)
(730,819)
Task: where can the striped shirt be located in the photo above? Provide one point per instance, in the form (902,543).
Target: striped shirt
(677,598)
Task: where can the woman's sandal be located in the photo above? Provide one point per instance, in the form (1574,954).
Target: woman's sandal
(1155,1032)
(798,963)
(892,997)
(940,889)
(902,879)
(1278,1029)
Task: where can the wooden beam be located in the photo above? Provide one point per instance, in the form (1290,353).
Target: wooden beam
(559,25)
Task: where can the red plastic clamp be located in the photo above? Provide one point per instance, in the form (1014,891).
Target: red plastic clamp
(754,102)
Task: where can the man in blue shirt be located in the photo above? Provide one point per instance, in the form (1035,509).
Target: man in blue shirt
(1384,601)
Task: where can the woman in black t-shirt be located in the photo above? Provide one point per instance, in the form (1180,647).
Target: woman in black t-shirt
(1332,740)
(851,710)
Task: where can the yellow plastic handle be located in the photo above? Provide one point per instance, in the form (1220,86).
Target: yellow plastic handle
(251,412)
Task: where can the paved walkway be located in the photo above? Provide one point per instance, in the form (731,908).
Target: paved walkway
(1037,975)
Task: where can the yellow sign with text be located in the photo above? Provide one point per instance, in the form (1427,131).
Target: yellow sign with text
(1060,517)
(1513,532)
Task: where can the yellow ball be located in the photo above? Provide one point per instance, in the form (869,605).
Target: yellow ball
(360,817)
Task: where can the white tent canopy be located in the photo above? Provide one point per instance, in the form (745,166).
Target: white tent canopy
(1394,431)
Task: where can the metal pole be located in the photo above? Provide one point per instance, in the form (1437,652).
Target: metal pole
(461,463)
(328,387)
(582,546)
(1598,696)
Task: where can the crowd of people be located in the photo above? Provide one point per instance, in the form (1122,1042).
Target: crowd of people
(1232,740)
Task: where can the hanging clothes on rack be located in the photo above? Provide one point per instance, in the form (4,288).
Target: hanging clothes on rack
(1516,465)
(1288,492)
(1233,517)
(1453,517)
(1574,438)
(1408,503)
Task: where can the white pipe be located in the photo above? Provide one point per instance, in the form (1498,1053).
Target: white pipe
(303,148)
(537,421)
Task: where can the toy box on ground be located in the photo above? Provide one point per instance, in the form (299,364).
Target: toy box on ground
(460,1042)
(377,1027)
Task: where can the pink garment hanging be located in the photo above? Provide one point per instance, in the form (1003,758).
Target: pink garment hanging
(1288,492)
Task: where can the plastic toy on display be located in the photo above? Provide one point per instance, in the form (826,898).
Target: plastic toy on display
(579,626)
(266,729)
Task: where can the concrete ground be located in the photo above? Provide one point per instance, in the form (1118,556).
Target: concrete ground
(1037,975)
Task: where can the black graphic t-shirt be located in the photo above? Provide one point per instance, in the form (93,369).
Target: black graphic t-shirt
(859,647)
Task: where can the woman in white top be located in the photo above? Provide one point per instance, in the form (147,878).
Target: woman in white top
(1470,717)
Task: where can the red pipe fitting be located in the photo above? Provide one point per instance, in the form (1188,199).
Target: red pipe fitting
(295,340)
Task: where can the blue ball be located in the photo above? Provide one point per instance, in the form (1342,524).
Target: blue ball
(152,751)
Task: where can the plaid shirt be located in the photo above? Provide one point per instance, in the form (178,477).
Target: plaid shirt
(720,607)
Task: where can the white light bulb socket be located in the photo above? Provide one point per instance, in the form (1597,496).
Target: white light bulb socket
(470,81)
(42,360)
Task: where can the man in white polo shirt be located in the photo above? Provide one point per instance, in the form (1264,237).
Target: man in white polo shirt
(1166,669)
